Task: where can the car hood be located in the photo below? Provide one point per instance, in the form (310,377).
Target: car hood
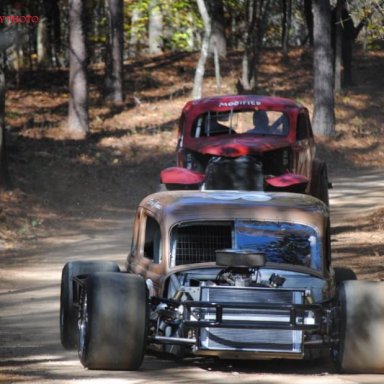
(230,146)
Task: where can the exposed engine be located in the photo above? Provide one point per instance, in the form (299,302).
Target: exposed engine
(186,285)
(240,173)
(246,277)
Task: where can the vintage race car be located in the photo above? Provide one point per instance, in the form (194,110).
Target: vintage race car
(247,142)
(230,274)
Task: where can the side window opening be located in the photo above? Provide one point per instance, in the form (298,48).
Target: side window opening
(135,232)
(302,127)
(180,134)
(211,124)
(152,243)
(328,246)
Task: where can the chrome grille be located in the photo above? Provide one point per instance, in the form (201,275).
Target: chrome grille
(247,295)
(255,337)
(250,339)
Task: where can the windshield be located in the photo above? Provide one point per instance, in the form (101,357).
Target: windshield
(280,242)
(286,243)
(258,122)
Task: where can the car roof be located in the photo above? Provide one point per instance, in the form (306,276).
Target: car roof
(177,206)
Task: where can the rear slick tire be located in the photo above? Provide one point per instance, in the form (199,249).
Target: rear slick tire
(361,348)
(114,318)
(319,182)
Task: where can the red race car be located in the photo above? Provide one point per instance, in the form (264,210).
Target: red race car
(247,142)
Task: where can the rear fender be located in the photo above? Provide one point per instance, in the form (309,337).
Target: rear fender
(288,181)
(181,176)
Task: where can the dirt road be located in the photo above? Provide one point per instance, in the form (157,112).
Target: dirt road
(30,349)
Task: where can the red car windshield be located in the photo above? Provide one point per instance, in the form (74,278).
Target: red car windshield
(257,122)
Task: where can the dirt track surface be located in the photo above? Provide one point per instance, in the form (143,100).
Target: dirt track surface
(30,349)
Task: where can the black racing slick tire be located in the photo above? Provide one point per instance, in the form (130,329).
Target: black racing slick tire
(319,182)
(114,318)
(361,348)
(344,274)
(69,329)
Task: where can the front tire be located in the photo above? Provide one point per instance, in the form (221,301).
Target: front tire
(69,329)
(344,274)
(114,318)
(361,348)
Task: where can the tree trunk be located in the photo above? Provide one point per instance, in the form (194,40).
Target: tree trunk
(155,28)
(114,53)
(42,43)
(78,84)
(287,14)
(349,34)
(56,32)
(323,115)
(216,60)
(218,40)
(49,35)
(133,38)
(4,174)
(190,31)
(309,19)
(246,64)
(200,69)
(338,37)
(257,15)
(245,83)
(4,44)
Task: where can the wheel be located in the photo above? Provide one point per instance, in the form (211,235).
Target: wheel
(344,274)
(114,318)
(361,348)
(68,311)
(319,182)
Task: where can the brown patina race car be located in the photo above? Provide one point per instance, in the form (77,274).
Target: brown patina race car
(247,142)
(230,274)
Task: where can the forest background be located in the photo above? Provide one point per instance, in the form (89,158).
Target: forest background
(91,90)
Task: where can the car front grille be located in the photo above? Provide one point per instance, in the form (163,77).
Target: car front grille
(269,322)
